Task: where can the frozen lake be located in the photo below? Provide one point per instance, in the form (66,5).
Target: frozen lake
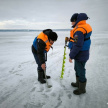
(19,87)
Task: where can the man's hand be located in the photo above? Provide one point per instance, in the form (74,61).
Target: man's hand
(70,60)
(66,39)
(43,66)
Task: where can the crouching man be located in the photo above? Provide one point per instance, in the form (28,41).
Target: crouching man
(41,45)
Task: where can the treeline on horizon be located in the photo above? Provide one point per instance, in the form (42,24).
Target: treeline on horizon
(29,30)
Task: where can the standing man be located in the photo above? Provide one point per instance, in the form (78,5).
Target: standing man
(41,45)
(79,44)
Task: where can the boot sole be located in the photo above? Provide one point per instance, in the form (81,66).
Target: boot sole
(78,93)
(42,82)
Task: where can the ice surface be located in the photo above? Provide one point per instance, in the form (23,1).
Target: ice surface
(19,87)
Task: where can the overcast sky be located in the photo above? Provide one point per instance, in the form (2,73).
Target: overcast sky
(54,14)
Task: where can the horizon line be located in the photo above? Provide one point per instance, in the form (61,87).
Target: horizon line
(28,30)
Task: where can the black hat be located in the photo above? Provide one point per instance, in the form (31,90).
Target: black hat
(74,17)
(53,36)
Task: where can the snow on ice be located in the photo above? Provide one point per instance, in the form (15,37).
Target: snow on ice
(19,87)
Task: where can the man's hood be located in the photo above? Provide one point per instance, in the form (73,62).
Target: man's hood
(81,16)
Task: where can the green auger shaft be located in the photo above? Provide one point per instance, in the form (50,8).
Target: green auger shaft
(63,64)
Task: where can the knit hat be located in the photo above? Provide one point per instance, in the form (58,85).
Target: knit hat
(74,17)
(53,36)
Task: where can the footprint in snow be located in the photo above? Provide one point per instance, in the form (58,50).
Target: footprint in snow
(69,96)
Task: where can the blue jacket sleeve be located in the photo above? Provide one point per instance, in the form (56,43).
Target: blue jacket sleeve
(77,46)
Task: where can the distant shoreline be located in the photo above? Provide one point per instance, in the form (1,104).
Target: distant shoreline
(29,30)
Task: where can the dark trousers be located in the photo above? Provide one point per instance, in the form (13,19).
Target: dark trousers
(39,68)
(79,67)
(36,58)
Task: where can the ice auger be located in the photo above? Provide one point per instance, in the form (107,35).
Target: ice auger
(64,57)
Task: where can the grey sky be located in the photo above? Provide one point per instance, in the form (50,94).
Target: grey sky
(40,14)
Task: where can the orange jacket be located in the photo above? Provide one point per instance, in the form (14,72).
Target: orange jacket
(81,26)
(44,37)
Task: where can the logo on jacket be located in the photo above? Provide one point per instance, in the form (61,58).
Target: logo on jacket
(75,38)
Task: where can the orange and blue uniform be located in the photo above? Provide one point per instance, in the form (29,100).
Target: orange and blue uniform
(80,40)
(40,47)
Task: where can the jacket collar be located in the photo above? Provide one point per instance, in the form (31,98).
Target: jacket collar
(81,22)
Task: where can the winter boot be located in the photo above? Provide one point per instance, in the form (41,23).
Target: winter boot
(81,89)
(48,77)
(75,84)
(40,77)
